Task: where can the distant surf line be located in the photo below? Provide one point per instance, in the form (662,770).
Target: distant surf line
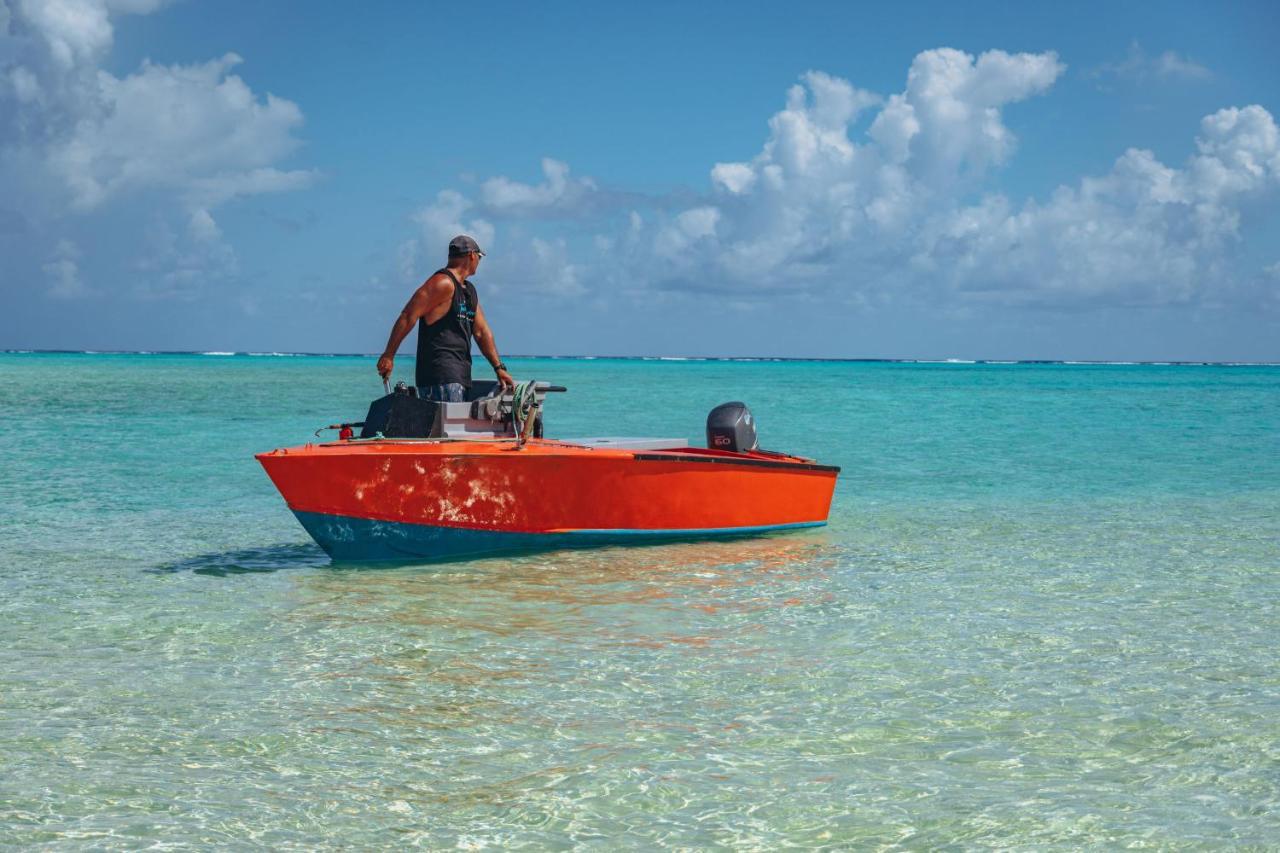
(678,359)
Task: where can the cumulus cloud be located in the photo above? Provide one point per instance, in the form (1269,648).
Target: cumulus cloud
(904,205)
(948,121)
(197,130)
(1144,233)
(558,193)
(75,138)
(74,31)
(49,54)
(736,178)
(1239,153)
(814,196)
(686,230)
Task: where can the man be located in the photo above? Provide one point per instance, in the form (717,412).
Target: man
(448,315)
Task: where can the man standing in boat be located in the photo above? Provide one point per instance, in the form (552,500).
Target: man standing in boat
(447,311)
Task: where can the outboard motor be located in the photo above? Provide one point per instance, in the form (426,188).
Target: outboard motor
(731,427)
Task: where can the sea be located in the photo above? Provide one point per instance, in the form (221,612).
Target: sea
(1044,615)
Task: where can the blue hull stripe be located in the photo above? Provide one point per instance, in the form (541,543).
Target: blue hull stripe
(363,540)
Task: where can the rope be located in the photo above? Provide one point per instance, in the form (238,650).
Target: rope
(524,404)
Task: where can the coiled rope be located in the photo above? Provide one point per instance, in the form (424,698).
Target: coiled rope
(524,405)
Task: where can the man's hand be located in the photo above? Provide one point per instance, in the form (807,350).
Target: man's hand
(505,380)
(385,365)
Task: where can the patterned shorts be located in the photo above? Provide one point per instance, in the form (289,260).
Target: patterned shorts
(451,392)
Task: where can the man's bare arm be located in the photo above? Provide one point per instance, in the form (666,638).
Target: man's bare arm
(489,348)
(434,291)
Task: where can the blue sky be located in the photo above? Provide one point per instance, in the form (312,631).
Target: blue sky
(1095,181)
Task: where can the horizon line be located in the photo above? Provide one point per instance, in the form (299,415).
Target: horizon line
(681,358)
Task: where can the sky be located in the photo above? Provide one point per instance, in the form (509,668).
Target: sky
(1094,181)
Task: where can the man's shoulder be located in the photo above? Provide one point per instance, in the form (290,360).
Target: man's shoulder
(438,280)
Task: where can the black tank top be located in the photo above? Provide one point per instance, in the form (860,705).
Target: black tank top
(444,347)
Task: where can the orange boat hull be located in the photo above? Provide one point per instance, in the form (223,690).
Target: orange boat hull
(438,500)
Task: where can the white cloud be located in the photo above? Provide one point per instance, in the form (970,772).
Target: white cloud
(74,31)
(197,130)
(76,139)
(49,56)
(448,216)
(1139,67)
(891,213)
(532,265)
(908,210)
(179,264)
(949,116)
(1170,64)
(224,186)
(1145,233)
(557,193)
(62,272)
(686,230)
(814,198)
(549,269)
(736,178)
(1239,152)
(202,227)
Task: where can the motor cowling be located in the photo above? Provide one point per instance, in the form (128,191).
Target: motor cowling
(730,426)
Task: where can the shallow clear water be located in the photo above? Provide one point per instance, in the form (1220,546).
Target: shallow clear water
(1044,613)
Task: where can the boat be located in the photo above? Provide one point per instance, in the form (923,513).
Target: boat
(428,481)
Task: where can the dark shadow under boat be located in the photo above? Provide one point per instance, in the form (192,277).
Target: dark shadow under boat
(268,558)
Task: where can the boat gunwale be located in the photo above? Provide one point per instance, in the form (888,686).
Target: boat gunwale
(676,456)
(545,447)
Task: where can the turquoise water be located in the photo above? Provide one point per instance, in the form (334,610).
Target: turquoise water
(1044,614)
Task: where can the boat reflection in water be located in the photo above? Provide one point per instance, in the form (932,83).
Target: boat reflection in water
(568,593)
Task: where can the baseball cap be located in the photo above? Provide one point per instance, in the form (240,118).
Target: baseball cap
(462,245)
